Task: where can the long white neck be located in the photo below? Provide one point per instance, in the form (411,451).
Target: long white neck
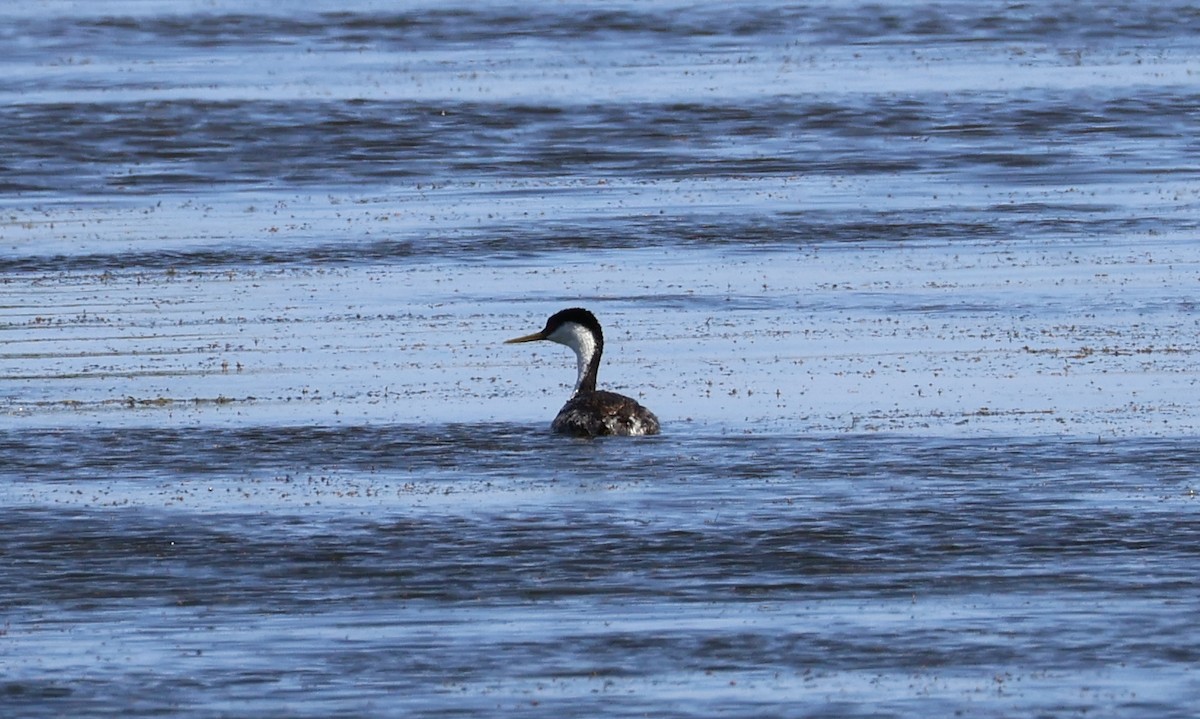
(587,352)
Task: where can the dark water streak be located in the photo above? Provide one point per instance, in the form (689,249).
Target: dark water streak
(163,146)
(714,23)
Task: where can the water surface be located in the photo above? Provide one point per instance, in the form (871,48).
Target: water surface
(910,285)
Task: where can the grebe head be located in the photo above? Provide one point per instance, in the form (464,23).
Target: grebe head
(580,330)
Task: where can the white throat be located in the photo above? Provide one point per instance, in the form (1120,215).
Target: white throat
(580,339)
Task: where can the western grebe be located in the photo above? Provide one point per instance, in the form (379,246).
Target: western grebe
(590,412)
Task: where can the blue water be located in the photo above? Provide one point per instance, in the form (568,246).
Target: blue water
(909,284)
(457,570)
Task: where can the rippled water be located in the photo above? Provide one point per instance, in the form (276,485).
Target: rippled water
(479,568)
(910,285)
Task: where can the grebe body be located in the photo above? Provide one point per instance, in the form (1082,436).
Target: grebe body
(591,412)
